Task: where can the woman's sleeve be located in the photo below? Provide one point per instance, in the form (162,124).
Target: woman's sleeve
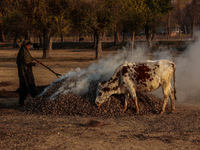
(28,59)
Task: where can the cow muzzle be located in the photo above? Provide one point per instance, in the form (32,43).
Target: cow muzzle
(98,104)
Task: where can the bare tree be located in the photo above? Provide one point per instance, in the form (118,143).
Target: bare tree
(193,13)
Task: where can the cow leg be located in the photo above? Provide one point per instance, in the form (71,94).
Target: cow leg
(134,97)
(172,101)
(108,102)
(164,104)
(166,92)
(132,92)
(125,102)
(136,104)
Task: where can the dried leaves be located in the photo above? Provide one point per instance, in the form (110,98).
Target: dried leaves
(71,104)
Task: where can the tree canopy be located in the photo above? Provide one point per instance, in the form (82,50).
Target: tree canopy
(46,18)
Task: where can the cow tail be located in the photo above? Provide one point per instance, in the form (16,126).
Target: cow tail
(174,74)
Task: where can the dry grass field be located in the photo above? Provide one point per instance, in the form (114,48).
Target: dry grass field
(22,130)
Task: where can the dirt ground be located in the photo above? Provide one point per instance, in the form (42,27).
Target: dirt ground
(21,130)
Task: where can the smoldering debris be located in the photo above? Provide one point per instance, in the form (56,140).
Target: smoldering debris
(74,93)
(72,104)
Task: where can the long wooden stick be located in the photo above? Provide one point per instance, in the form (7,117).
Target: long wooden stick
(57,74)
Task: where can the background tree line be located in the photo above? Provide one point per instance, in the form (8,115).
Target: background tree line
(20,19)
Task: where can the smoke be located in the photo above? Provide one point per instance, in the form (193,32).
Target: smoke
(187,73)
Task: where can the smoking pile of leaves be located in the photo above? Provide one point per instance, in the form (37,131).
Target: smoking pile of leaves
(72,104)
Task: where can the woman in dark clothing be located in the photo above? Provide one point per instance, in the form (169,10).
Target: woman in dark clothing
(26,78)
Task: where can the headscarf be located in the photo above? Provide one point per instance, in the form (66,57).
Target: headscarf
(26,42)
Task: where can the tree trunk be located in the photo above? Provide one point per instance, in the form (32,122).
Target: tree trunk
(103,36)
(192,27)
(179,32)
(50,43)
(79,37)
(47,45)
(148,37)
(2,37)
(92,37)
(116,37)
(191,30)
(61,41)
(99,46)
(153,31)
(132,41)
(40,38)
(27,36)
(168,25)
(95,38)
(15,41)
(185,29)
(123,37)
(149,42)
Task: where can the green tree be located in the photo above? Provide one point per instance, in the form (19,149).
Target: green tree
(15,21)
(93,16)
(2,39)
(50,17)
(192,9)
(133,17)
(154,9)
(82,17)
(116,10)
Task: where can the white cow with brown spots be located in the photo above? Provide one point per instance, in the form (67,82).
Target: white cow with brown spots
(130,78)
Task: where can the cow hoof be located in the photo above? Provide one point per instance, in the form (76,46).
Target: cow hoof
(172,111)
(161,112)
(137,113)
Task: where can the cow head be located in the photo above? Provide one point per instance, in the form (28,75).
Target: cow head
(102,95)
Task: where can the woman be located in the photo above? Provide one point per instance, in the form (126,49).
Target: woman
(26,78)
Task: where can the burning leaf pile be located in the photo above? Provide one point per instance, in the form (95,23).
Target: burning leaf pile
(72,104)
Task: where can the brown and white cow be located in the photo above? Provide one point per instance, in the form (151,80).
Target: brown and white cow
(130,78)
